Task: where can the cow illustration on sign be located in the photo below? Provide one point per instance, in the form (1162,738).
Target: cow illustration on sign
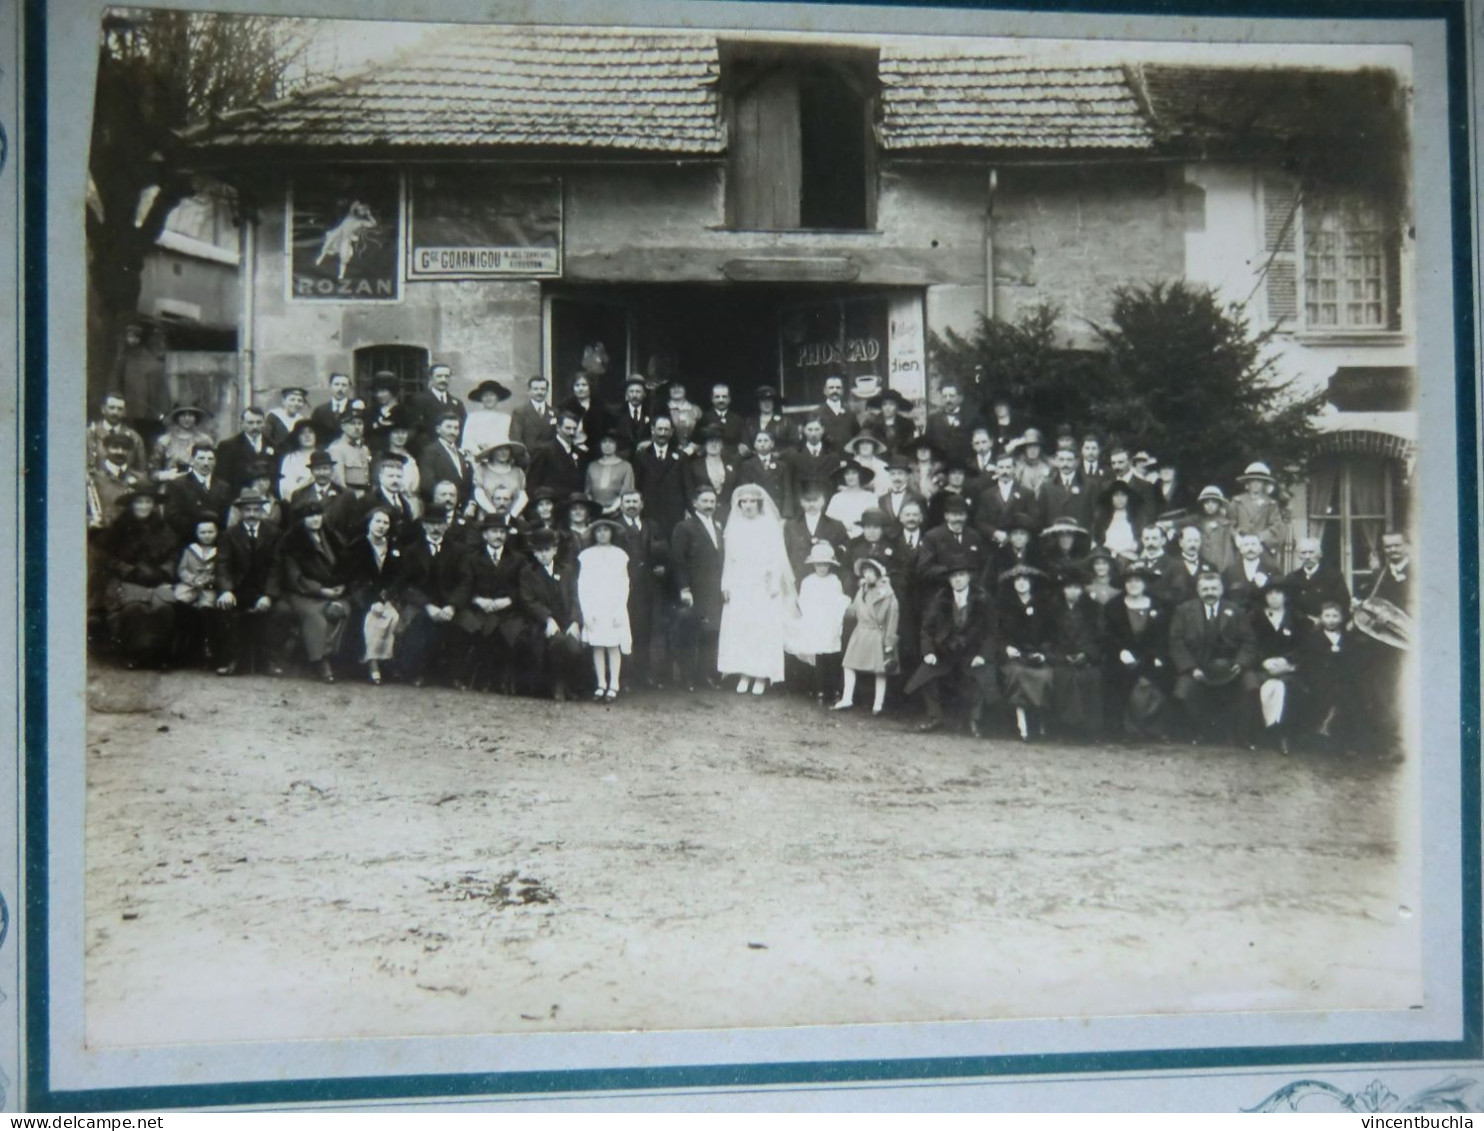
(346,238)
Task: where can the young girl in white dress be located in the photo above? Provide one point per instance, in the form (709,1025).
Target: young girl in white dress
(822,605)
(603,599)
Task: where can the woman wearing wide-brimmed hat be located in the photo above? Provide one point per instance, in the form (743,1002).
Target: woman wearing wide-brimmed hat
(1101,567)
(1063,545)
(1218,539)
(603,598)
(1032,468)
(574,520)
(385,413)
(1255,511)
(1119,520)
(1025,644)
(1136,661)
(315,585)
(853,496)
(1076,644)
(486,425)
(172,451)
(500,465)
(139,558)
(869,450)
(897,429)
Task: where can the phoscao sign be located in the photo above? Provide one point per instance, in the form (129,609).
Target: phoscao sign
(472,224)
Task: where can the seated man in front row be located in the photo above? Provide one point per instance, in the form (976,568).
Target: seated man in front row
(958,637)
(1214,653)
(549,596)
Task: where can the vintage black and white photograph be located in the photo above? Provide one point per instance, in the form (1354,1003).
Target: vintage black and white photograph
(599,528)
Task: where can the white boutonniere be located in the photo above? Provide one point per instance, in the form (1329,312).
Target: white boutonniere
(1226,612)
(396,553)
(1076,490)
(1030,610)
(1153,613)
(1288,632)
(269,449)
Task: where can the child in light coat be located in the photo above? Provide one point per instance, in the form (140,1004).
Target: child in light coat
(873,641)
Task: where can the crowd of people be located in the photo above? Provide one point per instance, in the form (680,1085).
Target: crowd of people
(978,573)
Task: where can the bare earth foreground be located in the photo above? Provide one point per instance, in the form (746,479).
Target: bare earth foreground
(275,859)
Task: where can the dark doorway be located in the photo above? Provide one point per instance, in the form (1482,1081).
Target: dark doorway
(589,336)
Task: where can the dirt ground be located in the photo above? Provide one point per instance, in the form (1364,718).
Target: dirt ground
(274,859)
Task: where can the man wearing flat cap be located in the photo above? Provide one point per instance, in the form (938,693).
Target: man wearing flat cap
(350,452)
(632,420)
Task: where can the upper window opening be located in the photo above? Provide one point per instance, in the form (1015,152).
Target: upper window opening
(802,142)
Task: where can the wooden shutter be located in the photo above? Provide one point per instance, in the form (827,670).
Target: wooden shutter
(1280,201)
(766,160)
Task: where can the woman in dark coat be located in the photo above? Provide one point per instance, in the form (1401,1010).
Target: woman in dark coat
(593,417)
(1076,657)
(139,557)
(374,570)
(314,584)
(1280,633)
(1025,646)
(1136,630)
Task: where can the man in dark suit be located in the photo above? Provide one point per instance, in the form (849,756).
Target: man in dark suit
(899,493)
(1065,494)
(347,515)
(951,428)
(1121,470)
(322,488)
(1179,572)
(659,473)
(535,422)
(1245,578)
(1090,466)
(951,541)
(248,584)
(1382,665)
(838,422)
(491,618)
(326,417)
(812,525)
(549,597)
(730,423)
(907,580)
(814,459)
(199,490)
(1313,583)
(770,419)
(632,420)
(559,463)
(1002,501)
(770,471)
(438,584)
(236,453)
(1214,654)
(872,543)
(441,459)
(429,406)
(957,643)
(695,566)
(642,540)
(114,410)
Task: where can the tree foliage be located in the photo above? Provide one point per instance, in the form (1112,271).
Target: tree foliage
(1180,374)
(1188,379)
(160,71)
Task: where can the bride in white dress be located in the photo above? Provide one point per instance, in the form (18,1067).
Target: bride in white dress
(757,588)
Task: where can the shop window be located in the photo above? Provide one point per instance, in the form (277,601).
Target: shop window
(409,363)
(1353,500)
(1334,260)
(802,148)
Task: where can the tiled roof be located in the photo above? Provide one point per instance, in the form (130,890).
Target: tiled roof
(594,88)
(1229,109)
(1007,102)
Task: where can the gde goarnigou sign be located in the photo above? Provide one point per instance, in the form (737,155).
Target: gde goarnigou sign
(472,224)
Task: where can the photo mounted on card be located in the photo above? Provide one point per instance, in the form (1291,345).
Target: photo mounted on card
(698,546)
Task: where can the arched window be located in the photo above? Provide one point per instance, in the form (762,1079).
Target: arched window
(409,363)
(1354,498)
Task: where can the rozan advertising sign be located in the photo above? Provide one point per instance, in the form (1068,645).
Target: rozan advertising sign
(469,224)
